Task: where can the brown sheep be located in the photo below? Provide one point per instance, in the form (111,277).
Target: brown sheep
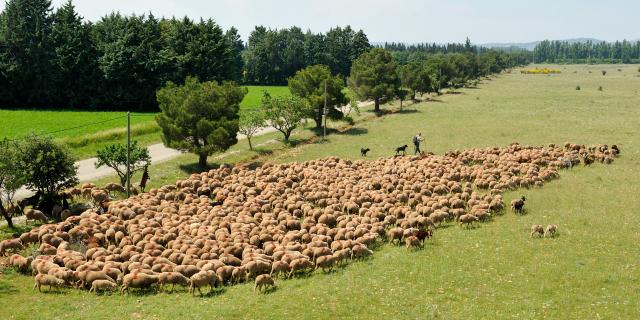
(551,230)
(103,285)
(172,278)
(47,280)
(325,263)
(201,279)
(300,265)
(412,242)
(20,263)
(280,267)
(139,280)
(14,245)
(537,229)
(35,215)
(263,281)
(467,220)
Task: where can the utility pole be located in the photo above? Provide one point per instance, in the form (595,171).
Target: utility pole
(128,153)
(324,111)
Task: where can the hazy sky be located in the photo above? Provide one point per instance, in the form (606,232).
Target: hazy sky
(404,20)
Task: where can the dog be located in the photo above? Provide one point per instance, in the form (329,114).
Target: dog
(363,151)
(402,149)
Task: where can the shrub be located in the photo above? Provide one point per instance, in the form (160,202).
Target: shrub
(577,87)
(115,157)
(48,166)
(600,88)
(604,72)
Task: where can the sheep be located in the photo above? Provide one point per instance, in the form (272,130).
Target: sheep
(280,267)
(551,230)
(138,280)
(325,262)
(537,229)
(263,281)
(172,278)
(467,220)
(202,279)
(298,265)
(20,263)
(86,278)
(412,242)
(35,215)
(103,285)
(14,245)
(47,280)
(517,205)
(360,251)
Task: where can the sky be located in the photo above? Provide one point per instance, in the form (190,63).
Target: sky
(409,21)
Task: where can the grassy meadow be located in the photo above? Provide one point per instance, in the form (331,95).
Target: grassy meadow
(85,132)
(495,271)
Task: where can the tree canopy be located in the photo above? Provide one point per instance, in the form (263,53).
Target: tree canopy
(374,76)
(200,117)
(115,156)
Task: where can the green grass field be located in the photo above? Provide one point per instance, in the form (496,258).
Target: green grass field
(495,271)
(85,132)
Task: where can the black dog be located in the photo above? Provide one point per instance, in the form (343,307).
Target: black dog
(402,149)
(363,151)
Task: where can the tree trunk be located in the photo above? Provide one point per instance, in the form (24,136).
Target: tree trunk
(287,134)
(376,105)
(318,118)
(400,104)
(250,145)
(202,160)
(6,215)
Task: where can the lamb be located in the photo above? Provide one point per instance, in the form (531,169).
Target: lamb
(518,205)
(467,220)
(325,263)
(138,280)
(280,267)
(537,229)
(35,215)
(412,242)
(102,285)
(20,263)
(47,280)
(552,229)
(14,245)
(202,279)
(172,278)
(263,281)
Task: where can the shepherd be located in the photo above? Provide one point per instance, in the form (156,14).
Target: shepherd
(416,142)
(145,178)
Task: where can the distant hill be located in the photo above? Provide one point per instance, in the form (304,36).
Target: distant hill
(532,45)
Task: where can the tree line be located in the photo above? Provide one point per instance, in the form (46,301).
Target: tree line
(55,59)
(587,52)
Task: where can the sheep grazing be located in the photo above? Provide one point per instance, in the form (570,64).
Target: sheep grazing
(412,242)
(229,224)
(517,205)
(172,278)
(467,220)
(537,229)
(201,279)
(551,230)
(615,150)
(20,263)
(114,187)
(263,281)
(47,280)
(14,245)
(138,280)
(103,285)
(35,215)
(325,263)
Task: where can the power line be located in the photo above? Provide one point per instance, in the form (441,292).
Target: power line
(69,129)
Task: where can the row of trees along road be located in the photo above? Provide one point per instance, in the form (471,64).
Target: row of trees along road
(202,117)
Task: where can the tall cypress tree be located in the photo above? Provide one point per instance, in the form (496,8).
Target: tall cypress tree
(26,54)
(75,59)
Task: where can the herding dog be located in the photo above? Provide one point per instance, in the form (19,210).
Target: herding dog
(363,151)
(402,149)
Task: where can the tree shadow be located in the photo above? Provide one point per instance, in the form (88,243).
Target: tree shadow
(434,100)
(254,165)
(409,111)
(355,131)
(192,167)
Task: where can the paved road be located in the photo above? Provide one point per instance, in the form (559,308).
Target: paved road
(87,170)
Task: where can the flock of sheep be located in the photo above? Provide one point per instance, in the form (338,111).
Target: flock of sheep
(232,225)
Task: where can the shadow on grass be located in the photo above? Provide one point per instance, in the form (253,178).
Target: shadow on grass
(192,167)
(355,131)
(6,288)
(409,111)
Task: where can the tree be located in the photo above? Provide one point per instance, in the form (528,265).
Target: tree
(11,176)
(374,76)
(25,52)
(285,113)
(251,121)
(309,83)
(200,117)
(115,157)
(47,165)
